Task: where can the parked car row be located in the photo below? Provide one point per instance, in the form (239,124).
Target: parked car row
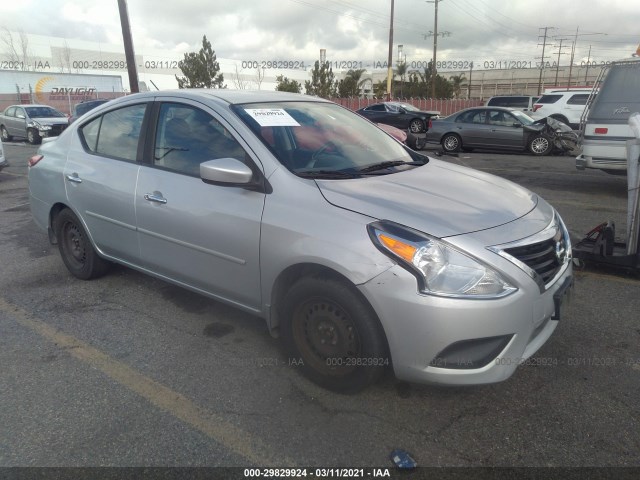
(34,122)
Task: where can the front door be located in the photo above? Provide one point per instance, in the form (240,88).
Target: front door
(200,235)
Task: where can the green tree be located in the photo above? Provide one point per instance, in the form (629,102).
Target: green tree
(401,71)
(200,69)
(456,83)
(286,85)
(322,83)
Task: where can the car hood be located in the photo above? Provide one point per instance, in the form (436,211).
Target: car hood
(50,120)
(438,198)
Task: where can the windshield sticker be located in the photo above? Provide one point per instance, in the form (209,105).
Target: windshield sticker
(272,117)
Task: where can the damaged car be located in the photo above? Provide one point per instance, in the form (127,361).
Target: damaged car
(498,128)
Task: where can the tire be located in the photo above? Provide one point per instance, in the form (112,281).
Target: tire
(33,137)
(539,146)
(5,135)
(451,143)
(416,126)
(415,142)
(335,334)
(76,249)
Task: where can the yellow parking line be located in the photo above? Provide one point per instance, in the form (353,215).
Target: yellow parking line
(209,423)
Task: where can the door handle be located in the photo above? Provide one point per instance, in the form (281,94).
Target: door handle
(155,197)
(74,178)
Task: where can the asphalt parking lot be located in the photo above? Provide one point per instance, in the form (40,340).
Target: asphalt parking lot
(129,371)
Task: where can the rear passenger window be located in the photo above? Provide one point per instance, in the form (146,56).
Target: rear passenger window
(578,99)
(116,133)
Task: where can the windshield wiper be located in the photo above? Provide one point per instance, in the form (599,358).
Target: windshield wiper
(328,174)
(383,165)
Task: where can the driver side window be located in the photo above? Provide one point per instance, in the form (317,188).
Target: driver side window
(187,136)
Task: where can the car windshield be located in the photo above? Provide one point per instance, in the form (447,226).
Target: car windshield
(308,137)
(523,117)
(43,112)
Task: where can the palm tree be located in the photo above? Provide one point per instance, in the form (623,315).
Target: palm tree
(401,71)
(356,76)
(456,83)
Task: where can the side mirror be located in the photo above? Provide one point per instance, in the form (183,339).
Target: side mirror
(226,171)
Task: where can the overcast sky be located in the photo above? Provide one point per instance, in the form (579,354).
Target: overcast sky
(507,30)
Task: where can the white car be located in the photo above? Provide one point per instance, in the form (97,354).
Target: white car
(565,106)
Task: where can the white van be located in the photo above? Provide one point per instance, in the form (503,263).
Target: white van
(605,128)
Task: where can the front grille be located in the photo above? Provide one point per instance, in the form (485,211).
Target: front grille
(541,257)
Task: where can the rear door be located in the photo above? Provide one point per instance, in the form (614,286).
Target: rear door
(200,235)
(100,177)
(473,128)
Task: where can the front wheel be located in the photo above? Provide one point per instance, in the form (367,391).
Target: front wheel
(416,125)
(451,142)
(76,249)
(333,335)
(33,137)
(540,145)
(5,135)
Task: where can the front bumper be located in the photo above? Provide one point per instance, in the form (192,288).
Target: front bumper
(444,340)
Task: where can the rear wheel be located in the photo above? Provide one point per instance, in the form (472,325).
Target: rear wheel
(333,335)
(416,125)
(33,137)
(540,145)
(76,249)
(451,142)
(5,135)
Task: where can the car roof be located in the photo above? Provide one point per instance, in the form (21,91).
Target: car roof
(231,97)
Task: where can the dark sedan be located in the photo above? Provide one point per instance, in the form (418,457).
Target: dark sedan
(399,115)
(489,128)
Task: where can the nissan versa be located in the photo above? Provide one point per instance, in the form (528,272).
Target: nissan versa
(357,251)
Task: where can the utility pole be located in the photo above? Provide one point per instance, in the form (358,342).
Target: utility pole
(469,84)
(390,59)
(128,47)
(573,51)
(558,63)
(544,44)
(434,70)
(588,61)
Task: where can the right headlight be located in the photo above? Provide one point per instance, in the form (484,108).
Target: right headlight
(440,268)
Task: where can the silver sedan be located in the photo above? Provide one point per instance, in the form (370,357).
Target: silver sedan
(493,128)
(360,253)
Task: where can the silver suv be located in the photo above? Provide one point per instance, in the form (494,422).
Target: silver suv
(565,106)
(359,252)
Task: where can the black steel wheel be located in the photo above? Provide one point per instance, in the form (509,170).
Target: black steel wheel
(76,249)
(333,335)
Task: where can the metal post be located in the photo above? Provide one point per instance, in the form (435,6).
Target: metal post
(128,47)
(390,57)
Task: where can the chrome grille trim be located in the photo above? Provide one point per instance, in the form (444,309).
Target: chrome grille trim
(558,243)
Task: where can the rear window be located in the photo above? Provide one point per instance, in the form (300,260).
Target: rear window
(619,95)
(549,98)
(514,102)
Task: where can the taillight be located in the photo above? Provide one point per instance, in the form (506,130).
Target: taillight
(536,107)
(35,159)
(601,130)
(430,124)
